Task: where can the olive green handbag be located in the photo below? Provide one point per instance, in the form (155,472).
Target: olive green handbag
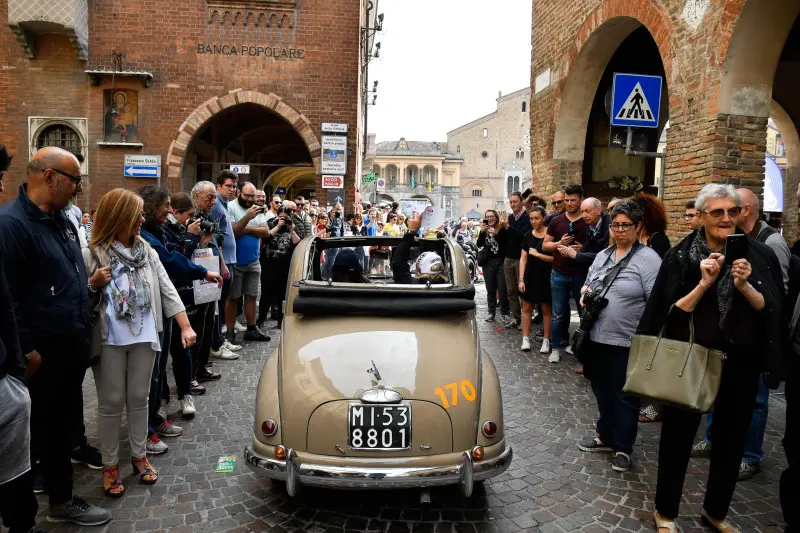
(679,373)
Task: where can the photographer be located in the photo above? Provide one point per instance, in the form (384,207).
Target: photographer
(617,288)
(278,247)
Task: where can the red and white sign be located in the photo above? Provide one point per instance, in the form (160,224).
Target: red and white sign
(332,182)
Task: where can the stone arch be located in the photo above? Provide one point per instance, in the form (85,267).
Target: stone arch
(754,45)
(208,109)
(601,33)
(791,179)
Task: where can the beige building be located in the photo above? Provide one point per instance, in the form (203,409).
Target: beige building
(415,169)
(496,154)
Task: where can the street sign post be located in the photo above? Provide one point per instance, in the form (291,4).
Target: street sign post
(335,195)
(240,169)
(280,191)
(142,166)
(635,100)
(334,155)
(332,182)
(334,127)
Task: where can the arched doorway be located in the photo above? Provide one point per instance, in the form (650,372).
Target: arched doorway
(251,128)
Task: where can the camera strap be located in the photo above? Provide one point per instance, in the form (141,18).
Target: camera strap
(616,269)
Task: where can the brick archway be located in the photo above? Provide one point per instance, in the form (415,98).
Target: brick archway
(208,109)
(598,38)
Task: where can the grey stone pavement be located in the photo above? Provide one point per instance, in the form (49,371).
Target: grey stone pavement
(551,487)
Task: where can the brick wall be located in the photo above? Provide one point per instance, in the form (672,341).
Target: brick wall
(703,143)
(161,37)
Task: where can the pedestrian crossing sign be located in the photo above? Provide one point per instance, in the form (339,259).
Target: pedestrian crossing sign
(636,99)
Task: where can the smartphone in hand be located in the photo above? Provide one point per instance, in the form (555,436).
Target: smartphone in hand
(736,247)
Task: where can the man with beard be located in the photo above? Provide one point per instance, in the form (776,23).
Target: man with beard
(249,227)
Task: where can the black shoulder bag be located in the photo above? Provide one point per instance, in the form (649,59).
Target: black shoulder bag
(594,302)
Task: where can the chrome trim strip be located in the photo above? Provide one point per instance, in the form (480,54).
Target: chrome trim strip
(463,473)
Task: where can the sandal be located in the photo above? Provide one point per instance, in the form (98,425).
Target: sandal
(723,526)
(142,468)
(663,523)
(112,485)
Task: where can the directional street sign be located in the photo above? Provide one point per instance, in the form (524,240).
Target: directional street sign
(335,195)
(332,182)
(635,101)
(142,166)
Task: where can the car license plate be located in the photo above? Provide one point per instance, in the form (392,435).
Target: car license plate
(379,426)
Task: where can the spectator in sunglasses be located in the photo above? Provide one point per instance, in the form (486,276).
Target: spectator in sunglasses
(558,205)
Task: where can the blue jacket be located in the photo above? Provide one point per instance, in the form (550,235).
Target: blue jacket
(47,279)
(180,268)
(219,214)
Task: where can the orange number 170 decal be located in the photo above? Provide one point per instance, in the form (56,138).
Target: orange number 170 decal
(467,391)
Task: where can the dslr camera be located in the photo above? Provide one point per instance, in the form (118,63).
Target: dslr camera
(593,305)
(207,225)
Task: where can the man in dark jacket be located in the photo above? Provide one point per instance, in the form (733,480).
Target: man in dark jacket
(50,294)
(429,266)
(597,237)
(518,223)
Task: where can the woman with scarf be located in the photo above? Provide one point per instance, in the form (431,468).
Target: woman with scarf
(493,269)
(736,309)
(130,311)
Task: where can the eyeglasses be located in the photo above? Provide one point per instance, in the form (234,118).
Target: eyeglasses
(689,216)
(75,179)
(621,226)
(276,201)
(557,202)
(230,186)
(717,214)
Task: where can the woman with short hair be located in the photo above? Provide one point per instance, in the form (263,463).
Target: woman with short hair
(735,308)
(622,274)
(130,310)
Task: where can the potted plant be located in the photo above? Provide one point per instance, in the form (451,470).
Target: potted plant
(629,184)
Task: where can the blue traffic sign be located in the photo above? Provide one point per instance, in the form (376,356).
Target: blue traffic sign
(136,171)
(636,99)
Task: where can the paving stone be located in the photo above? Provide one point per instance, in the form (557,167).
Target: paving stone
(551,487)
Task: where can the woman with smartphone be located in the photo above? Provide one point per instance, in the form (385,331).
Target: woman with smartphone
(491,239)
(735,307)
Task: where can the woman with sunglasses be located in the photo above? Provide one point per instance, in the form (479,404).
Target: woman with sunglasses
(735,308)
(130,311)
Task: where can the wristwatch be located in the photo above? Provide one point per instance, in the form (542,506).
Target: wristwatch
(91,289)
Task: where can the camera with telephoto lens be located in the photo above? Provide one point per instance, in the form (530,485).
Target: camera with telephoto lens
(593,305)
(287,210)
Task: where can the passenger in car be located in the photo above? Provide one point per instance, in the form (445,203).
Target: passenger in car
(429,265)
(348,268)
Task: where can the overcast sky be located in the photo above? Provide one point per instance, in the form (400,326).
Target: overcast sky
(442,63)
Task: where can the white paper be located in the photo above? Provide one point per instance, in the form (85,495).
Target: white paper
(433,217)
(413,207)
(206,291)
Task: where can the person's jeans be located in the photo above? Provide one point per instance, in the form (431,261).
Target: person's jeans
(754,445)
(218,339)
(495,279)
(182,359)
(202,323)
(562,287)
(606,368)
(159,377)
(330,257)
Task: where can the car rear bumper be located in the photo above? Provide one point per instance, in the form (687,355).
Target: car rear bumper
(456,469)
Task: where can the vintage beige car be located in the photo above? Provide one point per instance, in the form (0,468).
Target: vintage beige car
(378,385)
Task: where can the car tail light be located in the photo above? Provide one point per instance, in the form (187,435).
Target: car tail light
(269,427)
(477,453)
(489,429)
(280,452)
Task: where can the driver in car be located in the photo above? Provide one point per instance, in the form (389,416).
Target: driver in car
(429,266)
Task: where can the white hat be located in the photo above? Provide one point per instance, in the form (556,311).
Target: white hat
(429,265)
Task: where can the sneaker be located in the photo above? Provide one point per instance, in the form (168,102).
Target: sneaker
(545,346)
(555,357)
(78,511)
(702,449)
(621,463)
(526,344)
(166,429)
(255,334)
(592,445)
(162,411)
(155,446)
(205,374)
(238,328)
(569,350)
(196,389)
(231,347)
(223,353)
(748,470)
(490,318)
(88,455)
(187,406)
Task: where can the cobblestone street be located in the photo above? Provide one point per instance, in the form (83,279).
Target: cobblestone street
(550,487)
